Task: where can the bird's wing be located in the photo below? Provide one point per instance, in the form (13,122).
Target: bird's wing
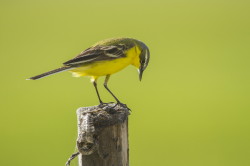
(98,53)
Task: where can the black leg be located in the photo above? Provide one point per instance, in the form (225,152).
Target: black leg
(95,85)
(106,86)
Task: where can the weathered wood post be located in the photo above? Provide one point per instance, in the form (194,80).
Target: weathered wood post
(102,136)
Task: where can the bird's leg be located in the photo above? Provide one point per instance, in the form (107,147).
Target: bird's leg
(102,104)
(106,86)
(95,85)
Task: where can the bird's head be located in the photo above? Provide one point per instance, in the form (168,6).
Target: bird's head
(143,58)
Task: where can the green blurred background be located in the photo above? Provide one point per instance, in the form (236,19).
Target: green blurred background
(191,108)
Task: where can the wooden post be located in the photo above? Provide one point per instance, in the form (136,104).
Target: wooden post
(102,136)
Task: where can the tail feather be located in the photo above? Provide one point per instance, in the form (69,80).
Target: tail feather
(64,68)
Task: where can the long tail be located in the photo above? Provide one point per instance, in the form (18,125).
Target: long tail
(64,68)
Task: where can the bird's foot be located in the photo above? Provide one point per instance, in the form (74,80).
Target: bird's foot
(109,108)
(101,105)
(121,105)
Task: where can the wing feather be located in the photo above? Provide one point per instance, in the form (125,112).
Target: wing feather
(98,53)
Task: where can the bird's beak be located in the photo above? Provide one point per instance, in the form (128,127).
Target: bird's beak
(140,73)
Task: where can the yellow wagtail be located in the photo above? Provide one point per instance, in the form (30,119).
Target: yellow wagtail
(105,58)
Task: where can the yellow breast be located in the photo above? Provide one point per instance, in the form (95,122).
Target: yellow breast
(103,68)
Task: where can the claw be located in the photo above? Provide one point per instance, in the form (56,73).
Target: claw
(121,105)
(101,105)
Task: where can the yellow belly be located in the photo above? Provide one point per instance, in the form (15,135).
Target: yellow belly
(104,68)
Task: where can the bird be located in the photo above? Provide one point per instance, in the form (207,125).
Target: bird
(105,58)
